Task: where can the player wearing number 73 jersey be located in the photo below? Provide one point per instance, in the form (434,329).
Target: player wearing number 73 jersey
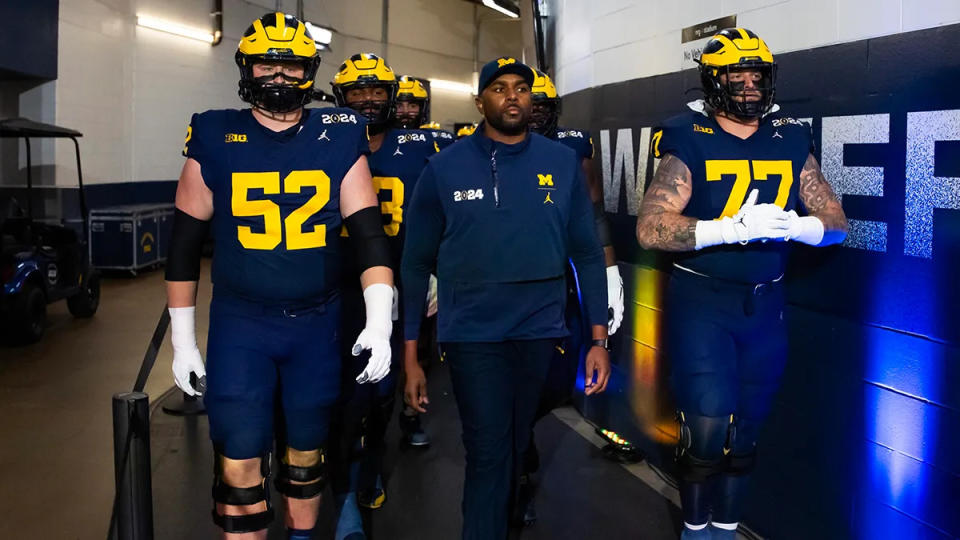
(276,182)
(734,181)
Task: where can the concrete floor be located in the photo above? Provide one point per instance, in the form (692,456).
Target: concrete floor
(56,433)
(56,455)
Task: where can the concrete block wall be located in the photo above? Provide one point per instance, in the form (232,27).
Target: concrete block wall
(608,41)
(131,90)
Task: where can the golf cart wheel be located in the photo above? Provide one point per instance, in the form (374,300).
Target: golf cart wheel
(85,303)
(30,319)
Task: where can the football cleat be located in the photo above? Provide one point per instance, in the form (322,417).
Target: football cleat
(412,432)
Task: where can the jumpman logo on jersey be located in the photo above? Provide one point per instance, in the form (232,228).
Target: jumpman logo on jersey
(777,135)
(397,152)
(323,136)
(548,199)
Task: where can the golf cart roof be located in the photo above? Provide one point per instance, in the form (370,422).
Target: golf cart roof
(22,127)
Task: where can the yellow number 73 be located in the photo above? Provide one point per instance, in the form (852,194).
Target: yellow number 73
(269,182)
(740,170)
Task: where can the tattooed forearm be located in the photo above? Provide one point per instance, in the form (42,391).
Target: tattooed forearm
(660,224)
(820,200)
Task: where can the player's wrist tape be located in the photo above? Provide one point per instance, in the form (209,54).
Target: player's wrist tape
(183,334)
(715,232)
(378,300)
(810,231)
(186,247)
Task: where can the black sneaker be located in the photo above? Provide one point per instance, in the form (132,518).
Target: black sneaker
(413,434)
(525,514)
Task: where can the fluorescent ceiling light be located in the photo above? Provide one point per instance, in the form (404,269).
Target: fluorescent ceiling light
(440,84)
(322,36)
(147,21)
(492,4)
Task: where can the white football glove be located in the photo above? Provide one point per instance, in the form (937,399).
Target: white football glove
(375,337)
(753,222)
(395,308)
(432,296)
(806,229)
(186,355)
(614,299)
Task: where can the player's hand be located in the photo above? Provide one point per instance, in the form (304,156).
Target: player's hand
(375,337)
(597,372)
(432,296)
(415,388)
(186,354)
(614,299)
(378,343)
(806,229)
(760,221)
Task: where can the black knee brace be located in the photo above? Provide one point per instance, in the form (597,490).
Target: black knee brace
(312,478)
(702,446)
(227,494)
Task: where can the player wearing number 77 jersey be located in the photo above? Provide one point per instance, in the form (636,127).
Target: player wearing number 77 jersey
(276,182)
(733,181)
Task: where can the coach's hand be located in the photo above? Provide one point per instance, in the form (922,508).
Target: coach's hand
(415,388)
(375,336)
(598,370)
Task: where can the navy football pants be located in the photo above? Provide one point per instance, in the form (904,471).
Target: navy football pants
(259,354)
(727,346)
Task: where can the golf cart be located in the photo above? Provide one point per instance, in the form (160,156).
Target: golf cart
(41,262)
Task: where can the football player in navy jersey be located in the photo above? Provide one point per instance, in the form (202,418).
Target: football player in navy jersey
(276,182)
(736,183)
(366,84)
(561,379)
(413,111)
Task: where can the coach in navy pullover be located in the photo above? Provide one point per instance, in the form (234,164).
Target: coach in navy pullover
(496,216)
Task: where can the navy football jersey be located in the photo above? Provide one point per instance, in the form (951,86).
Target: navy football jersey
(725,169)
(395,167)
(276,199)
(442,137)
(580,141)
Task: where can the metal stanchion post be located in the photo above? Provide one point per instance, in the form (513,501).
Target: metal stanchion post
(131,458)
(187,405)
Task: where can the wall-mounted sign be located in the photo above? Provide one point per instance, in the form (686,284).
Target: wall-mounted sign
(693,38)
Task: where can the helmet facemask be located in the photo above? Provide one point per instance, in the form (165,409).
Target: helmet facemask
(378,112)
(268,94)
(409,120)
(545,115)
(723,94)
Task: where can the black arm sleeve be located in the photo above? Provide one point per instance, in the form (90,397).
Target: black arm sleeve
(366,232)
(602,225)
(186,247)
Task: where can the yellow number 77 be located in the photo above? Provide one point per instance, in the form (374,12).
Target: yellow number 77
(716,169)
(272,233)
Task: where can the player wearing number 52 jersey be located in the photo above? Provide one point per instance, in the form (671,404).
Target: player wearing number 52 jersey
(367,86)
(734,182)
(277,183)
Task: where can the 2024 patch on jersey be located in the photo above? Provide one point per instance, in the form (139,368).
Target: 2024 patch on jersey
(724,169)
(276,199)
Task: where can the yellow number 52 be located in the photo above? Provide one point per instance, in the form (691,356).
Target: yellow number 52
(273,227)
(716,169)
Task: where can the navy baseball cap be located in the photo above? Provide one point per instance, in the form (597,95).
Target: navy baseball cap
(501,66)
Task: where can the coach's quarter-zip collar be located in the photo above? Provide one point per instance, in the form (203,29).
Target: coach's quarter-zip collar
(494,149)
